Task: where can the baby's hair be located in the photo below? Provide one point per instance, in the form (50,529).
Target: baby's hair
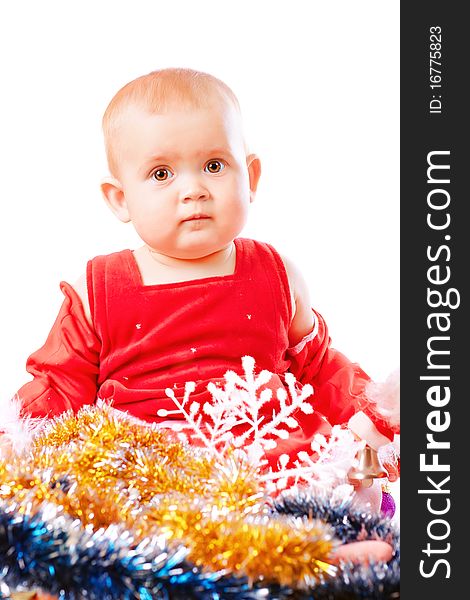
(159,91)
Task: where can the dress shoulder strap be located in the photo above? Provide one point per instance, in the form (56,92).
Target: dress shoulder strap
(264,260)
(108,275)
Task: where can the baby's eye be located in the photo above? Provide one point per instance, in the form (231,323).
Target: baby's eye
(214,166)
(162,174)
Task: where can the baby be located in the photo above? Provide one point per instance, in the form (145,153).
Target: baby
(194,297)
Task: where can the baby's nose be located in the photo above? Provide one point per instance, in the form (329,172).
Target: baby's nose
(195,195)
(194,189)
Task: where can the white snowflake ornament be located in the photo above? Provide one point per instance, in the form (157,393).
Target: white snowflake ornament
(242,404)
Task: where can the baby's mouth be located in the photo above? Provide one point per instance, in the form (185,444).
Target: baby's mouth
(196,217)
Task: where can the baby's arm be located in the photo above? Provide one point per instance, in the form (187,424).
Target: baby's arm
(338,383)
(65,370)
(302,317)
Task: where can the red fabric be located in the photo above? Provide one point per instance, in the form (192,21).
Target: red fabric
(65,369)
(339,384)
(149,338)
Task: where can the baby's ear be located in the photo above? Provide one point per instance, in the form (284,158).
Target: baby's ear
(254,172)
(115,198)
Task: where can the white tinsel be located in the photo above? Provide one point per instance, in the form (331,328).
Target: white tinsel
(385,398)
(390,453)
(16,431)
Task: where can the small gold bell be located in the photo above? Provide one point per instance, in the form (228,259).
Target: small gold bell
(368,467)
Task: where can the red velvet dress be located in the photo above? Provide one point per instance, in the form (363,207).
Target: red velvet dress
(149,338)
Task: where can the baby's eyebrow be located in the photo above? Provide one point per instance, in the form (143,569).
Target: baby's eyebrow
(161,158)
(217,151)
(169,156)
(157,159)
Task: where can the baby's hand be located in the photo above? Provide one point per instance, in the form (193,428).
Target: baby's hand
(368,499)
(363,552)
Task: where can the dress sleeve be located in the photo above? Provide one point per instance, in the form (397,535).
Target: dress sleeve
(65,370)
(338,384)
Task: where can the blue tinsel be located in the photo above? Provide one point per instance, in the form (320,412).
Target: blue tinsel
(51,551)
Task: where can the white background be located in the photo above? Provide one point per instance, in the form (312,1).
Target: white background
(319,89)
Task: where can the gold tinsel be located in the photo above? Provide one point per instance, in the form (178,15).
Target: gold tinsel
(291,551)
(105,468)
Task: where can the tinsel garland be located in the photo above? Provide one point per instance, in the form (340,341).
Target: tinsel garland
(379,581)
(55,553)
(104,507)
(51,551)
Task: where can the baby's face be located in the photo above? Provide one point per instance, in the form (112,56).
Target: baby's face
(185,180)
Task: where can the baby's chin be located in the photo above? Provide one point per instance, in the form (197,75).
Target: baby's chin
(197,248)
